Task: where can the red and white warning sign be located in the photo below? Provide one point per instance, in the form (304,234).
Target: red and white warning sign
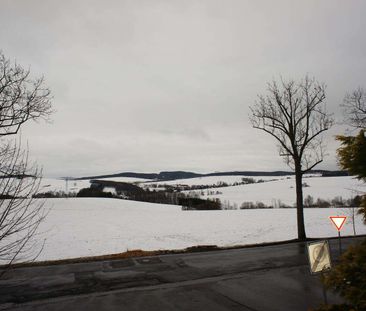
(338,221)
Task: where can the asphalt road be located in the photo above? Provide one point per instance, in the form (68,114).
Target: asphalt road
(257,279)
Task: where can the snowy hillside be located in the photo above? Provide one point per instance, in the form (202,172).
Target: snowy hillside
(214,180)
(53,184)
(273,191)
(60,185)
(77,227)
(283,190)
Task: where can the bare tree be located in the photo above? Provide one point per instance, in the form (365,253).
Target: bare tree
(295,115)
(22,98)
(20,213)
(354,105)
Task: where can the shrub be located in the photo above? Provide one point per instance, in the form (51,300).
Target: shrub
(256,205)
(348,278)
(247,205)
(93,192)
(338,202)
(261,205)
(355,202)
(322,203)
(199,204)
(309,201)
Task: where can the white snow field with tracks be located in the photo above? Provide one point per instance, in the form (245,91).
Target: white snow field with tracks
(78,227)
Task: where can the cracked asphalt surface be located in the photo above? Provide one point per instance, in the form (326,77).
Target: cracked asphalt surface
(257,279)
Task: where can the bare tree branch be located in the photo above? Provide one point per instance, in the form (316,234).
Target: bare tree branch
(354,108)
(21,97)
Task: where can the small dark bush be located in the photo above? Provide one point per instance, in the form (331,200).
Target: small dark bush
(322,203)
(93,192)
(198,204)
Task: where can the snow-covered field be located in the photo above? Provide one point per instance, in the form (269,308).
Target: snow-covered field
(213,180)
(77,227)
(58,185)
(54,184)
(206,180)
(275,189)
(282,190)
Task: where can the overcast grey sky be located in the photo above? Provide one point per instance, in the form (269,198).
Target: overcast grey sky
(157,85)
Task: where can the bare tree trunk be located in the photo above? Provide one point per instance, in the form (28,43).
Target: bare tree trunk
(353,221)
(300,206)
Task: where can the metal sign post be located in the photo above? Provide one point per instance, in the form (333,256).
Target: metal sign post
(338,222)
(325,297)
(340,243)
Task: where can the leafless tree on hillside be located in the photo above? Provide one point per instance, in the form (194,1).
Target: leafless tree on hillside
(295,115)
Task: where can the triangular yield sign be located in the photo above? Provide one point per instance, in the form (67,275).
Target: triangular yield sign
(338,221)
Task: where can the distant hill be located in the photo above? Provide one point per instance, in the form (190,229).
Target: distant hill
(172,175)
(127,174)
(177,175)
